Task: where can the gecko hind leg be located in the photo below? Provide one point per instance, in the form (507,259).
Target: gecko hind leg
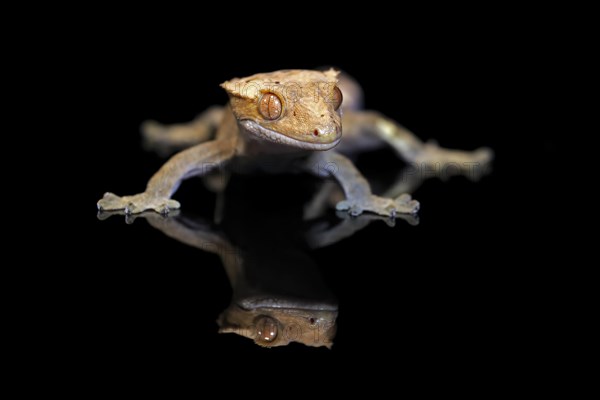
(165,139)
(426,156)
(447,162)
(196,161)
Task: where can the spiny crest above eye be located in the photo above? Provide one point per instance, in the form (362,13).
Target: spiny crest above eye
(252,86)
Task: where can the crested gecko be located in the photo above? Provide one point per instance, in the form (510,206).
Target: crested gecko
(288,120)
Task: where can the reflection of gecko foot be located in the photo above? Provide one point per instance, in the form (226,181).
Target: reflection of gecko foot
(137,203)
(130,218)
(380,205)
(411,219)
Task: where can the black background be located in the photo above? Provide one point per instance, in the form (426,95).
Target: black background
(438,292)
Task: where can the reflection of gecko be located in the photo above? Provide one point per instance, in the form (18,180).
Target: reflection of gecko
(291,118)
(279,295)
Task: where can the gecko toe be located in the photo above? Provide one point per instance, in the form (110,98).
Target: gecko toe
(355,211)
(343,205)
(165,210)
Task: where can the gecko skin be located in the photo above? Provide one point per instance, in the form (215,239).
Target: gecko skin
(293,119)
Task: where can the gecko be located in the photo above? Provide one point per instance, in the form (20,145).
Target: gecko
(288,121)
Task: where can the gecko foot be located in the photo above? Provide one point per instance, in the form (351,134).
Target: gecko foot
(137,203)
(403,204)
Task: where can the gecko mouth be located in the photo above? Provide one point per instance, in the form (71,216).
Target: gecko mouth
(276,137)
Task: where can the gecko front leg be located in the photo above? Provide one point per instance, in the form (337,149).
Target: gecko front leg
(195,161)
(356,188)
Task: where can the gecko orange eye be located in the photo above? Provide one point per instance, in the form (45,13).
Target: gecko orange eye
(337,98)
(266,329)
(269,106)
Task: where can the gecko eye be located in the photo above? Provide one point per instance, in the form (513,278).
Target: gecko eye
(266,330)
(337,98)
(269,106)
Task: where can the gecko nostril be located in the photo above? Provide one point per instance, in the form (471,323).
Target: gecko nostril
(316,132)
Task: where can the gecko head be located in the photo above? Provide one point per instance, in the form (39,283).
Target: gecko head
(299,108)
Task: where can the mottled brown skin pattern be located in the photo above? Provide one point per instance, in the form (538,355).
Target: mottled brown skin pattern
(302,122)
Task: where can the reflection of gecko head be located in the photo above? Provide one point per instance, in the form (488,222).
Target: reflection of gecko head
(279,296)
(279,326)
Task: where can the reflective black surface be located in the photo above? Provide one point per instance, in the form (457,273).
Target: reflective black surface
(265,245)
(381,275)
